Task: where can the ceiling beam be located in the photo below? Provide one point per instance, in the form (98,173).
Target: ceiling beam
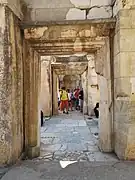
(33,24)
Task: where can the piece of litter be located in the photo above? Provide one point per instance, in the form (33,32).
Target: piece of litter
(64,164)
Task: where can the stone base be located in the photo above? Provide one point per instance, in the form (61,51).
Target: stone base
(104,149)
(33,152)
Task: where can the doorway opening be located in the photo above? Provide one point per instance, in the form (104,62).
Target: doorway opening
(76,50)
(73,136)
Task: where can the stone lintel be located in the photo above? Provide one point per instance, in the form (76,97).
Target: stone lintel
(67,52)
(35,24)
(72,31)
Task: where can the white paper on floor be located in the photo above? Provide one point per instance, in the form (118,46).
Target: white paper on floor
(64,164)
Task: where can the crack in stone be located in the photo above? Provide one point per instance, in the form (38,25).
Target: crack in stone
(88,9)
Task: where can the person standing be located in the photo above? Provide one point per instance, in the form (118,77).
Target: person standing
(69,99)
(81,95)
(64,100)
(76,95)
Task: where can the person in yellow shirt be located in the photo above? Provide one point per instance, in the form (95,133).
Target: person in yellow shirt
(64,100)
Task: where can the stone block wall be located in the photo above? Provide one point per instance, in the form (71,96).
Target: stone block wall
(11,88)
(67,10)
(103,69)
(124,82)
(19,89)
(15,6)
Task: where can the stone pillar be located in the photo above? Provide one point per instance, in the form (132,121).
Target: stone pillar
(93,91)
(39,90)
(103,65)
(85,90)
(11,88)
(124,82)
(55,95)
(45,94)
(31,110)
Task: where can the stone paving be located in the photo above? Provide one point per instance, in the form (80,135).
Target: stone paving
(41,170)
(71,137)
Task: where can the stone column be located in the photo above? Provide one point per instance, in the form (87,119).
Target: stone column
(124,82)
(55,95)
(84,78)
(31,111)
(93,92)
(103,69)
(45,94)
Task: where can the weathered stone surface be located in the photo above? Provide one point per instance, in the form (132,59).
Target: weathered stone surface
(16,7)
(11,93)
(100,12)
(124,86)
(103,68)
(81,4)
(20,81)
(70,137)
(120,5)
(71,81)
(70,68)
(46,86)
(85,90)
(93,91)
(75,14)
(100,3)
(68,10)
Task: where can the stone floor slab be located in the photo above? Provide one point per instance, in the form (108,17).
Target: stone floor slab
(41,170)
(73,136)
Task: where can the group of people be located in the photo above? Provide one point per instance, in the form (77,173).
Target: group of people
(67,99)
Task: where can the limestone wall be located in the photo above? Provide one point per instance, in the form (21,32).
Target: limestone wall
(124,83)
(45,94)
(120,5)
(15,6)
(11,88)
(60,10)
(103,69)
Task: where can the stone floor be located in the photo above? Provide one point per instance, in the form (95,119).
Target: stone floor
(41,170)
(71,137)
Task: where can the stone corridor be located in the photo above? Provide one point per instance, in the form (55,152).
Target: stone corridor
(71,137)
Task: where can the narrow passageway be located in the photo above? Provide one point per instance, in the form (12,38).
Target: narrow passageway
(71,137)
